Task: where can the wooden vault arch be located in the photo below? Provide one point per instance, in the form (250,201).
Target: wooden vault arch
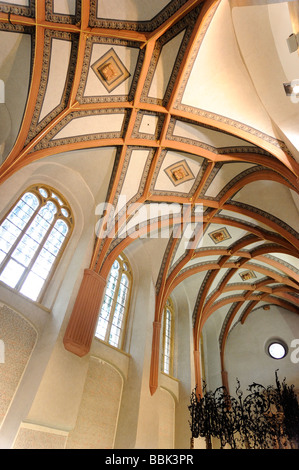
(274,164)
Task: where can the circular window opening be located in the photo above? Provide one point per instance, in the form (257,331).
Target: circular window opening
(277,350)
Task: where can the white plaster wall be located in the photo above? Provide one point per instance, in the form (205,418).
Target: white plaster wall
(185,369)
(245,354)
(48,318)
(166,420)
(211,348)
(98,413)
(18,338)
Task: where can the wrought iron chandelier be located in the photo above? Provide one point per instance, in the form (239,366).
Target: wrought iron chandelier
(266,418)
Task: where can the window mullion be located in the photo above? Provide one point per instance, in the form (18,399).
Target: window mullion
(26,228)
(111,314)
(35,256)
(168,323)
(126,307)
(19,238)
(163,346)
(114,332)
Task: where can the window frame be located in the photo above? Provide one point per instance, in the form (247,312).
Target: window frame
(123,261)
(168,308)
(278,342)
(42,202)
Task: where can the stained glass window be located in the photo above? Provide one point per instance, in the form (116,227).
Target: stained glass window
(32,237)
(115,304)
(168,329)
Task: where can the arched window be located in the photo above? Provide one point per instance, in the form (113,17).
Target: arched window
(32,238)
(168,338)
(112,319)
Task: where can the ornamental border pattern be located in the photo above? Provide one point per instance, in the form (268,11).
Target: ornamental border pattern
(141,26)
(35,126)
(87,64)
(213,116)
(143,135)
(60,17)
(187,24)
(227,270)
(201,169)
(19,10)
(22,29)
(48,141)
(216,150)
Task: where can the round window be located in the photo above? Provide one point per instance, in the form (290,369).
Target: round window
(277,350)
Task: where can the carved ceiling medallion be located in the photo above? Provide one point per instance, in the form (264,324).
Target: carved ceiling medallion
(247,275)
(110,70)
(179,173)
(220,235)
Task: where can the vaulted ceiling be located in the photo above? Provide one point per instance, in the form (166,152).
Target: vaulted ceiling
(183,102)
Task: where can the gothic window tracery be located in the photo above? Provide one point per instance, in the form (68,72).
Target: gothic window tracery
(33,236)
(168,338)
(113,313)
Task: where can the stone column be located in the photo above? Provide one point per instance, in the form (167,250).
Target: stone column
(82,324)
(197,369)
(155,360)
(224,376)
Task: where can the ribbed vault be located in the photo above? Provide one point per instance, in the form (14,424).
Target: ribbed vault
(151,85)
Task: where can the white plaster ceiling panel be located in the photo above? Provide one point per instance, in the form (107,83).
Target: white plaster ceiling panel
(271,197)
(244,218)
(94,166)
(242,309)
(252,246)
(266,28)
(59,63)
(221,80)
(291,260)
(256,264)
(214,323)
(15,60)
(191,285)
(129,10)
(183,243)
(202,260)
(239,315)
(238,277)
(151,214)
(94,124)
(229,296)
(224,176)
(234,258)
(164,182)
(228,236)
(273,284)
(164,67)
(132,178)
(155,248)
(148,124)
(219,276)
(208,136)
(64,7)
(127,55)
(23,3)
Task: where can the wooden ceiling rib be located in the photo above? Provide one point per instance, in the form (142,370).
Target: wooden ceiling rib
(273,161)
